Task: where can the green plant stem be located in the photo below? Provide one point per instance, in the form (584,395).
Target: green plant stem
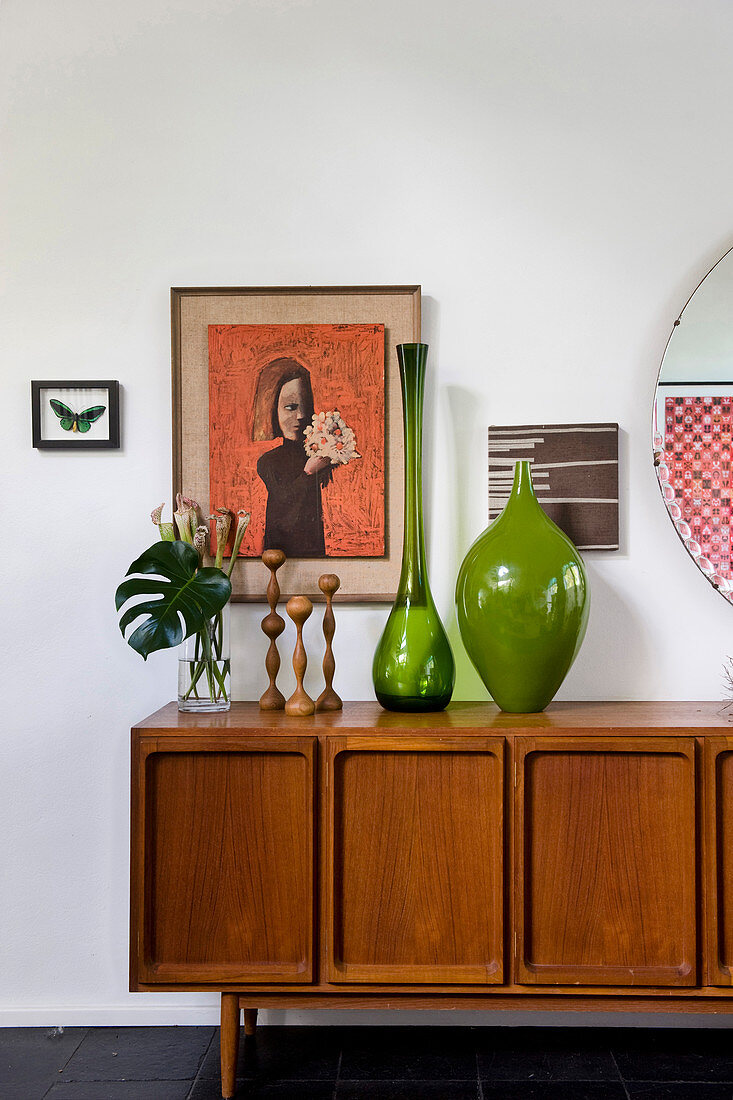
(208,660)
(191,667)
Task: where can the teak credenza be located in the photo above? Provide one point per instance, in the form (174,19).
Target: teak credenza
(577,859)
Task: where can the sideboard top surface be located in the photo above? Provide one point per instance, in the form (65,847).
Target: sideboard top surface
(369,718)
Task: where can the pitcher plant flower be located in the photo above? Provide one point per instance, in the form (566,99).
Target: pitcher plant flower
(223,520)
(200,541)
(166,530)
(242,525)
(186,517)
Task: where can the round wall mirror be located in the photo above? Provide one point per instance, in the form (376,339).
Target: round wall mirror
(693,426)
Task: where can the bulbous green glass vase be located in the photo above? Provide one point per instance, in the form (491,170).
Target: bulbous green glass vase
(523,600)
(413,667)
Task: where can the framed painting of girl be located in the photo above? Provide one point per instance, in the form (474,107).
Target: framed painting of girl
(302,428)
(266,384)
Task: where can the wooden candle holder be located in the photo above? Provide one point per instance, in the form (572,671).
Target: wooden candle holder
(329,585)
(300,702)
(273,626)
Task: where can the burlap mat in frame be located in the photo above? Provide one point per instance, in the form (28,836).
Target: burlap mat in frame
(193,309)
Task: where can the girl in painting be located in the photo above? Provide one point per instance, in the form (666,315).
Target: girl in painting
(283,408)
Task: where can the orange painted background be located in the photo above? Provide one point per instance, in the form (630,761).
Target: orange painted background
(346,364)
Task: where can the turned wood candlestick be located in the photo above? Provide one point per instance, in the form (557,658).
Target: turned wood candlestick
(273,626)
(300,702)
(329,585)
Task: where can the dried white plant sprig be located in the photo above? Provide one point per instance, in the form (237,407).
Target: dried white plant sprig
(728,683)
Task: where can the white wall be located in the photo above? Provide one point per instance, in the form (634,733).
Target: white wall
(557,176)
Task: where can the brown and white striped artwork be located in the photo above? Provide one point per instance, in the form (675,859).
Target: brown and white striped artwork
(574,472)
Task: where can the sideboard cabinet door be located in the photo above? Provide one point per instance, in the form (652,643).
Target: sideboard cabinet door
(719,859)
(605,860)
(413,889)
(222,875)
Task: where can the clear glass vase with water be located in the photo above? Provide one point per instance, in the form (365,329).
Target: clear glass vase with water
(204,667)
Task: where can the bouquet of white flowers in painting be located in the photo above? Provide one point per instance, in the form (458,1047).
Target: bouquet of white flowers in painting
(328,436)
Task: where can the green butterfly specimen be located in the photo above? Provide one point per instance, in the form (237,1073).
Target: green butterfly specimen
(76,422)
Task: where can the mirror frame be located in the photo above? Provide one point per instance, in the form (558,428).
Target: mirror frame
(674,513)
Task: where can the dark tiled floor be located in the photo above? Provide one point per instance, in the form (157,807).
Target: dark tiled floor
(385,1063)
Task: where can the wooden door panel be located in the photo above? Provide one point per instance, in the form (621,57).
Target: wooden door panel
(414,874)
(605,853)
(227,867)
(719,860)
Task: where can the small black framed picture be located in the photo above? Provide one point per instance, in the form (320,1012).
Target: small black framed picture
(78,415)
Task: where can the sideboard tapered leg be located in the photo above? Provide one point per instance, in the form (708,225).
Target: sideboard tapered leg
(250,1021)
(229,1043)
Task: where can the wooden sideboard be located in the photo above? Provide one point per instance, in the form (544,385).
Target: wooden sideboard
(581,858)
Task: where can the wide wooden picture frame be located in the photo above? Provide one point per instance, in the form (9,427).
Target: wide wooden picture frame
(199,312)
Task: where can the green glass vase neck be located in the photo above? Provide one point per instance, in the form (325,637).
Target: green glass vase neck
(412,360)
(522,497)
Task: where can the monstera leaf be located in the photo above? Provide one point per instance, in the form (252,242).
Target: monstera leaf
(183,590)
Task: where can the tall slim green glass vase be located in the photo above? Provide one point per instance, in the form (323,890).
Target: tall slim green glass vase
(413,666)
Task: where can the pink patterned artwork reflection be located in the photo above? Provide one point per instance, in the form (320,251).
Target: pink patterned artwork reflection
(695,471)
